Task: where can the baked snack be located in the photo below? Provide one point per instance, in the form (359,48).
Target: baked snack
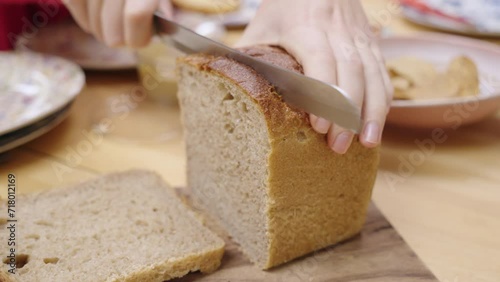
(465,73)
(121,227)
(208,6)
(256,164)
(418,79)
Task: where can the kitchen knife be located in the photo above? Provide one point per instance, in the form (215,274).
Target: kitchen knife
(311,95)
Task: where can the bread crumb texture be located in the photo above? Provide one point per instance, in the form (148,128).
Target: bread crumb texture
(126,226)
(256,164)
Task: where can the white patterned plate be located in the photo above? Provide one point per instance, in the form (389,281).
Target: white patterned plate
(33,86)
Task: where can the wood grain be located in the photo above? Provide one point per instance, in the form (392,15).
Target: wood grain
(377,254)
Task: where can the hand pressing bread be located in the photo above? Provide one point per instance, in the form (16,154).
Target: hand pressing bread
(333,42)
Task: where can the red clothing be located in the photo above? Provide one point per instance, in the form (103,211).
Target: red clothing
(27,16)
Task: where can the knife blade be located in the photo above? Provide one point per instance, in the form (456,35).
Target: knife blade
(311,95)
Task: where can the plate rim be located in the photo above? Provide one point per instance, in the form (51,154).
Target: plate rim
(56,118)
(446,38)
(79,82)
(441,102)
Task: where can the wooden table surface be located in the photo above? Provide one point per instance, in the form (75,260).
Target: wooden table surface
(444,202)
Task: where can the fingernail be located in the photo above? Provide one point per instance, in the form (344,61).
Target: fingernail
(371,133)
(322,125)
(342,142)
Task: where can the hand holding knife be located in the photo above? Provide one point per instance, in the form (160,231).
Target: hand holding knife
(311,95)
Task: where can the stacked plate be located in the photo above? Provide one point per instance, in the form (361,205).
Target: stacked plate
(36,93)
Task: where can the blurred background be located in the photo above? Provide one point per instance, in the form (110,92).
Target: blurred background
(72,108)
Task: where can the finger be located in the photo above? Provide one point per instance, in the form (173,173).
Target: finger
(94,8)
(112,22)
(378,91)
(350,74)
(78,9)
(319,124)
(389,89)
(315,55)
(350,78)
(339,139)
(375,103)
(138,21)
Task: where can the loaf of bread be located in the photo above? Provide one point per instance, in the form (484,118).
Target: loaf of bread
(256,164)
(121,227)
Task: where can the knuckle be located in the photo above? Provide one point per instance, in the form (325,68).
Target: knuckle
(352,58)
(325,57)
(356,57)
(352,67)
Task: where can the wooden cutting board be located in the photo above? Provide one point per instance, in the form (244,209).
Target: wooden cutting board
(377,254)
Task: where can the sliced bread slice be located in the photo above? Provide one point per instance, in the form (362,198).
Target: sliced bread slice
(257,166)
(126,226)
